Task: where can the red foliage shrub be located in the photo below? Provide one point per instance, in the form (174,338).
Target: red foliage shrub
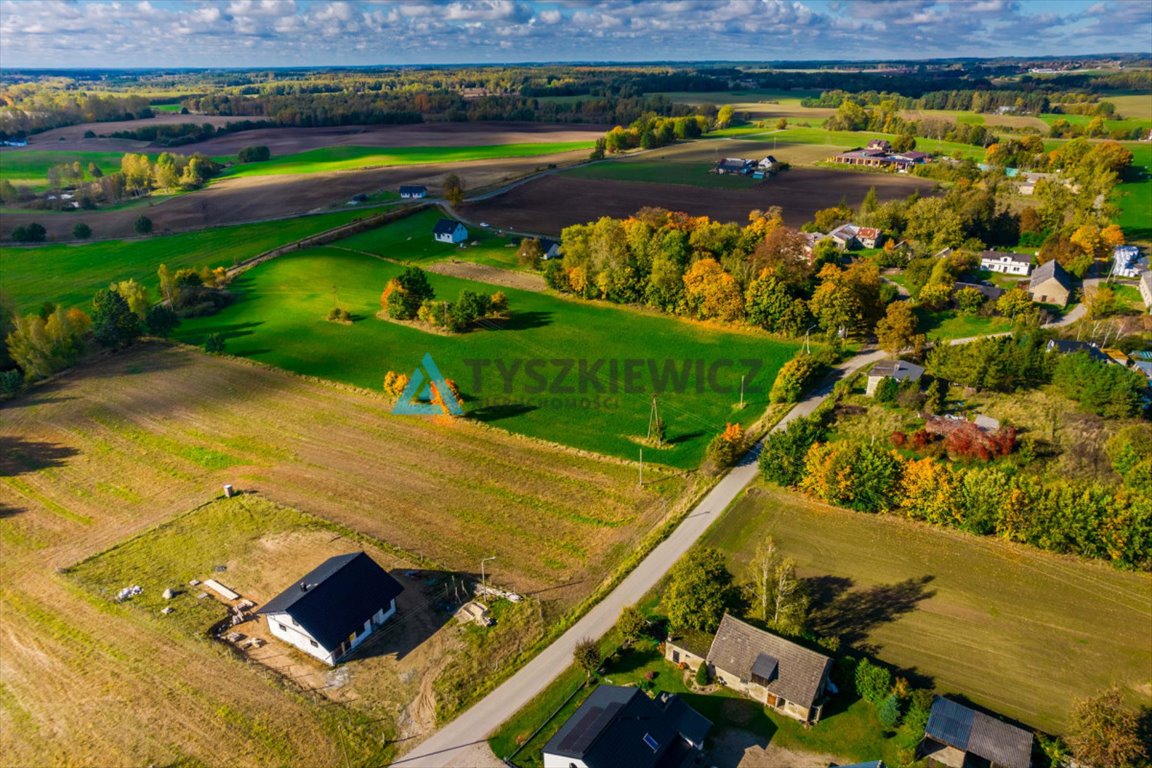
(898,439)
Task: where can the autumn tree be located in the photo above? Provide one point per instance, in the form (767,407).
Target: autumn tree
(43,345)
(633,624)
(711,293)
(699,590)
(726,448)
(1105,732)
(1015,303)
(587,656)
(896,329)
(114,324)
(394,384)
(530,254)
(762,578)
(404,293)
(453,189)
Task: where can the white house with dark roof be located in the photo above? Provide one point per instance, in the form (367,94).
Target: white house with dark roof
(1006,262)
(335,607)
(449,231)
(959,736)
(413,191)
(764,667)
(618,726)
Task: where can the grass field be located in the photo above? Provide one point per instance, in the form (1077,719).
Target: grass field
(30,167)
(115,448)
(1018,631)
(71,274)
(350,158)
(279,319)
(1134,196)
(1127,124)
(1132,104)
(410,240)
(951,324)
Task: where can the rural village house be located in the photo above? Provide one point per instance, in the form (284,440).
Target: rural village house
(1068,347)
(990,292)
(618,726)
(735,165)
(1050,284)
(957,736)
(1005,262)
(892,369)
(850,236)
(765,667)
(1126,261)
(549,249)
(413,192)
(448,231)
(334,607)
(1146,288)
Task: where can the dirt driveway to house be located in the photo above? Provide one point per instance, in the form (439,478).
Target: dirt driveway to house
(736,748)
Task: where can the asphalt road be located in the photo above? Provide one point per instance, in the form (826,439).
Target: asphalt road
(462,742)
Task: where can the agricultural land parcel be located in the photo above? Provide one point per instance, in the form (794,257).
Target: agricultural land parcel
(86,465)
(71,274)
(279,318)
(1011,628)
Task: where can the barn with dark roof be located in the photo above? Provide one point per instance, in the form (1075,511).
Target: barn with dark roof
(958,736)
(334,607)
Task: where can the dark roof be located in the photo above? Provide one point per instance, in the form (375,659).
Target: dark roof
(897,369)
(990,291)
(1067,347)
(1020,258)
(734,163)
(412,189)
(445,227)
(982,735)
(342,593)
(872,764)
(619,726)
(799,675)
(547,244)
(1050,270)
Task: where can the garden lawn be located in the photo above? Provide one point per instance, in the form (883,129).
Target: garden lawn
(350,158)
(950,324)
(1019,631)
(279,318)
(1134,196)
(71,274)
(410,240)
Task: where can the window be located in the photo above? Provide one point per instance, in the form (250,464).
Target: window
(314,643)
(675,657)
(651,742)
(282,627)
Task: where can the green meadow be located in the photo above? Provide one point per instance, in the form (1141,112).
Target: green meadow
(330,159)
(71,274)
(1134,196)
(410,240)
(279,318)
(30,167)
(662,172)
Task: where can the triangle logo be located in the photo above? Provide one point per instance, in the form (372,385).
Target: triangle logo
(418,398)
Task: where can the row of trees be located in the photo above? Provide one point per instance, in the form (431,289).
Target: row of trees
(1084,518)
(652,130)
(885,118)
(410,296)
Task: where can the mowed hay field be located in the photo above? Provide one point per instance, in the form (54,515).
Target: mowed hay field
(1021,632)
(123,444)
(71,274)
(279,318)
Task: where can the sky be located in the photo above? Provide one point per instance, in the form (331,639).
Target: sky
(258,33)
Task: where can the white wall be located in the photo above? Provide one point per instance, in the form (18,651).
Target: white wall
(283,627)
(555,761)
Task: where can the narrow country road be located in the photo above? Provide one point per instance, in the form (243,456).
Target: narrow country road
(462,742)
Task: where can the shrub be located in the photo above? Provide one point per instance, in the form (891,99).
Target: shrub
(30,233)
(792,379)
(888,713)
(81,231)
(142,225)
(254,154)
(339,315)
(872,682)
(215,344)
(703,677)
(11,381)
(726,447)
(587,656)
(394,384)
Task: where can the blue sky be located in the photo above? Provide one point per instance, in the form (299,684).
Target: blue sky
(243,33)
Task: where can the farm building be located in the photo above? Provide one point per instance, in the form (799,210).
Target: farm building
(549,249)
(735,165)
(413,192)
(892,369)
(622,726)
(767,163)
(1050,284)
(765,667)
(1146,288)
(990,292)
(811,240)
(1126,261)
(1068,347)
(850,236)
(448,231)
(1006,262)
(335,607)
(958,736)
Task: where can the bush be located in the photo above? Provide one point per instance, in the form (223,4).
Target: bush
(11,381)
(726,448)
(254,154)
(703,676)
(782,458)
(339,315)
(215,344)
(587,656)
(30,233)
(142,225)
(81,231)
(792,379)
(872,682)
(888,713)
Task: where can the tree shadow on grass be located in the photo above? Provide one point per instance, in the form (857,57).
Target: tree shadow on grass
(228,330)
(490,413)
(521,321)
(684,437)
(851,614)
(19,456)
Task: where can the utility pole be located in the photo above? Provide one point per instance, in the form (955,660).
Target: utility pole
(641,467)
(483,574)
(653,423)
(742,391)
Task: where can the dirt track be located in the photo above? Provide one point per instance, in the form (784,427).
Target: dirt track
(549,204)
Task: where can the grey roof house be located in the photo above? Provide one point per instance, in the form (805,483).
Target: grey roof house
(900,370)
(334,607)
(617,726)
(763,666)
(958,736)
(1050,284)
(1068,347)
